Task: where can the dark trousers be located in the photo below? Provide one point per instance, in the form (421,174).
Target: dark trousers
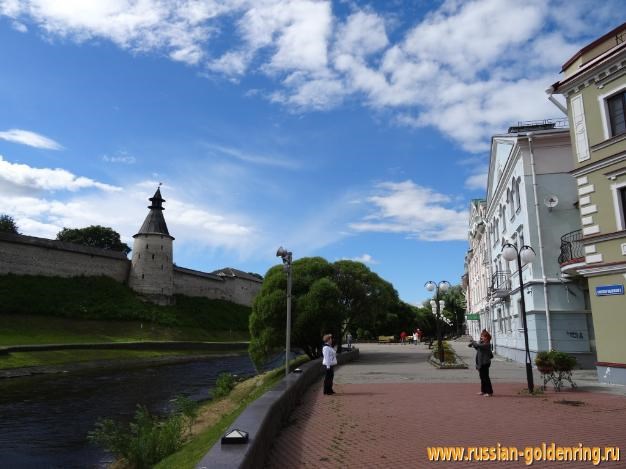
(328,380)
(485,382)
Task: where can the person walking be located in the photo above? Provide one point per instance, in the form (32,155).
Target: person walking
(349,341)
(483,362)
(329,361)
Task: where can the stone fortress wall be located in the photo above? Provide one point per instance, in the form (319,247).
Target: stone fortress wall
(28,255)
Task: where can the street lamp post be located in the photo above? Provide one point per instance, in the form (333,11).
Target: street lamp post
(525,254)
(437,306)
(287,257)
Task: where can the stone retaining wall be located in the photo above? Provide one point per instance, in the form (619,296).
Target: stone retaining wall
(264,418)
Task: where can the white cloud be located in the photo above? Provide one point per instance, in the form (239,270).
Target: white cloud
(32,139)
(417,211)
(362,34)
(469,68)
(119,157)
(253,158)
(179,28)
(21,27)
(194,227)
(364,258)
(477,181)
(22,176)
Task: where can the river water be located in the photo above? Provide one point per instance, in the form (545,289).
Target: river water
(44,419)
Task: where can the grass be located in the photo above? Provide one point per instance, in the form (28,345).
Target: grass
(58,357)
(215,417)
(37,310)
(33,329)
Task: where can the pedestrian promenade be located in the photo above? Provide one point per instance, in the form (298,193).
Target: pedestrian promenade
(392,404)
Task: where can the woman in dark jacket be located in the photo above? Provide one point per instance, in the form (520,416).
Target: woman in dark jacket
(483,362)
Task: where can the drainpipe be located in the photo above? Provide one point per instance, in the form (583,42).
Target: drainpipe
(552,99)
(529,135)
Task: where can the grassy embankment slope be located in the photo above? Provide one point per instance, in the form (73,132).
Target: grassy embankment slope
(52,310)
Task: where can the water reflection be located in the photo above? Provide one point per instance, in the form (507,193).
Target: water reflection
(44,420)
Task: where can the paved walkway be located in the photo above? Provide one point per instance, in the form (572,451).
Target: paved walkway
(391,405)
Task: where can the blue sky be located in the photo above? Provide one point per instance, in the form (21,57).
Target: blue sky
(342,129)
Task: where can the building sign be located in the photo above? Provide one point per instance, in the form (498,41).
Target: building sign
(472,317)
(607,290)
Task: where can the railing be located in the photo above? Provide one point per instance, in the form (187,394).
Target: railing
(545,124)
(501,283)
(572,249)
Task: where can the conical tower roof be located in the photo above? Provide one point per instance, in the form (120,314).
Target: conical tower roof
(155,222)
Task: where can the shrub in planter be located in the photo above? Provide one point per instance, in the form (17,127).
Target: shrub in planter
(562,361)
(555,366)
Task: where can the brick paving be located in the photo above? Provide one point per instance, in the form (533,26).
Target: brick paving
(388,410)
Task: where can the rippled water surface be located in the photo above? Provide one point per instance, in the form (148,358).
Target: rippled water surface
(44,420)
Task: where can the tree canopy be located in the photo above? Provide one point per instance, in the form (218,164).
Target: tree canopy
(326,298)
(7,224)
(94,236)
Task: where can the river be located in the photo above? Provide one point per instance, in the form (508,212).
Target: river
(44,419)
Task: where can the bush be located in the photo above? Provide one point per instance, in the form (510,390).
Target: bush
(144,441)
(224,385)
(554,361)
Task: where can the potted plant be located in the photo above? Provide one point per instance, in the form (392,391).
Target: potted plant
(555,366)
(563,366)
(545,367)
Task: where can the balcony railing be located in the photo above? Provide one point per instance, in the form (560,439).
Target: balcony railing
(572,249)
(501,283)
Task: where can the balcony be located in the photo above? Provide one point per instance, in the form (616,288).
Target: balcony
(572,254)
(501,284)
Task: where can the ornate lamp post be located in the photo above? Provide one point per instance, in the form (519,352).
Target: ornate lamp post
(524,255)
(437,306)
(287,257)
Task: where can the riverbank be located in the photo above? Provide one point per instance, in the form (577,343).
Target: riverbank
(115,360)
(28,360)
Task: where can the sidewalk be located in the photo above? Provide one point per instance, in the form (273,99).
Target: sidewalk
(391,405)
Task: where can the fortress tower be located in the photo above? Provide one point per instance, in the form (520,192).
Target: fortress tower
(152,268)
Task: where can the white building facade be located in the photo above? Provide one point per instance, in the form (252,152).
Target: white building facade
(477,272)
(532,200)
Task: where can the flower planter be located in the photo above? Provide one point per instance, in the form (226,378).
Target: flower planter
(555,367)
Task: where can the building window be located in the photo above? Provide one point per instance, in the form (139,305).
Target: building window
(518,204)
(622,203)
(619,202)
(622,196)
(617,113)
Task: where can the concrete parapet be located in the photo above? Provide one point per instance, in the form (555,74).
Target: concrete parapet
(264,418)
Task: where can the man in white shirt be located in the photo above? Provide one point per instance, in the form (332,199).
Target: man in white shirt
(329,361)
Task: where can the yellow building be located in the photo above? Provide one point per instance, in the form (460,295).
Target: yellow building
(594,86)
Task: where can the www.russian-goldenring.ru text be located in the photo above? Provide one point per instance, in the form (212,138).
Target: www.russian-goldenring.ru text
(529,455)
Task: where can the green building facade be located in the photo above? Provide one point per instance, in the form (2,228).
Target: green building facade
(594,86)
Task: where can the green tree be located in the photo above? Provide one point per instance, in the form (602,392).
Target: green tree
(94,236)
(7,224)
(367,301)
(311,309)
(455,307)
(326,298)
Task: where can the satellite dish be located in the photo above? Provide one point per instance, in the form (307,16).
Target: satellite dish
(551,201)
